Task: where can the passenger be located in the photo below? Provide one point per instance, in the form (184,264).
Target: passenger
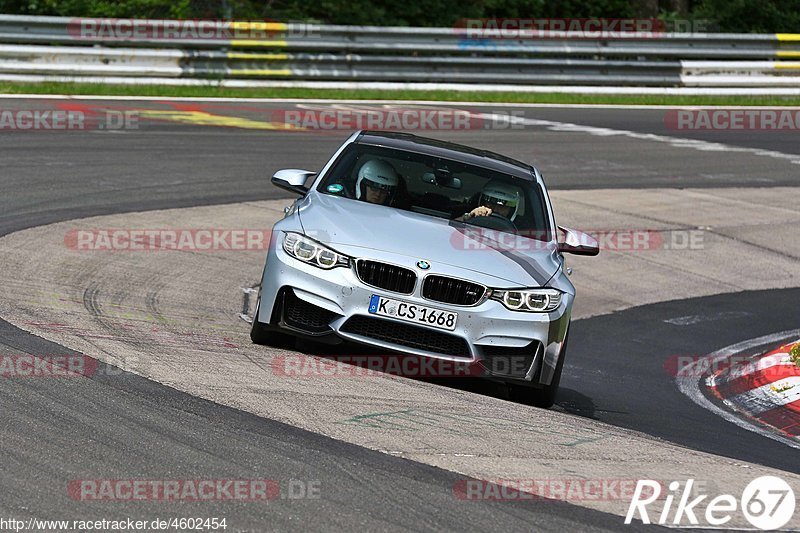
(496,198)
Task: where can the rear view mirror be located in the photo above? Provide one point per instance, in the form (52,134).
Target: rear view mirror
(578,243)
(293,180)
(442,178)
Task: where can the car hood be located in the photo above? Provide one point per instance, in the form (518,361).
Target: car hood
(365,230)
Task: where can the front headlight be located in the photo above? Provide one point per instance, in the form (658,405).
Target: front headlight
(529,300)
(312,252)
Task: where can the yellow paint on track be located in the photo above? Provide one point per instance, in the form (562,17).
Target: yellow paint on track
(203,118)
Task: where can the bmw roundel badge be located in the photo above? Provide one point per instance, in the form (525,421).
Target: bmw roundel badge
(424,265)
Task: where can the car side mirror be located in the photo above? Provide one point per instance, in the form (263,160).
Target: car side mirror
(577,242)
(293,180)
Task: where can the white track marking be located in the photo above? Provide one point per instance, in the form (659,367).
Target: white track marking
(691,386)
(675,142)
(697,319)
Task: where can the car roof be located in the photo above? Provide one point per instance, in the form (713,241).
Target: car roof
(447,150)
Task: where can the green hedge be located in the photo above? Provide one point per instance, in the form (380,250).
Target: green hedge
(723,15)
(752,16)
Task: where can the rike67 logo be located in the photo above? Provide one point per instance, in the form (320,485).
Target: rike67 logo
(767,503)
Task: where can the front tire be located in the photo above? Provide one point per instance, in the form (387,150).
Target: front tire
(262,335)
(544,397)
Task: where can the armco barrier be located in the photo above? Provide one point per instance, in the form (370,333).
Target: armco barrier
(63,47)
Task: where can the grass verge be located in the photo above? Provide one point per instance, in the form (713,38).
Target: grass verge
(371,94)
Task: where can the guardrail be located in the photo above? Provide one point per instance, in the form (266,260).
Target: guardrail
(214,51)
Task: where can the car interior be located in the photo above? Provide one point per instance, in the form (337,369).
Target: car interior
(439,187)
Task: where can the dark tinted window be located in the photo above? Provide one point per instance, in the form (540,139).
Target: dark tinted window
(439,187)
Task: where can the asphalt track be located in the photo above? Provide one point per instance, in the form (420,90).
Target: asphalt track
(53,432)
(610,381)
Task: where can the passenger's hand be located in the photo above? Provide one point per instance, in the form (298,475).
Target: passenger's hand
(480,211)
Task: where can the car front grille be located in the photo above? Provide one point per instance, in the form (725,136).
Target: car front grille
(407,335)
(305,316)
(385,276)
(452,291)
(507,361)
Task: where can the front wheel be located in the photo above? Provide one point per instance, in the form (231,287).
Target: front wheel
(264,336)
(544,397)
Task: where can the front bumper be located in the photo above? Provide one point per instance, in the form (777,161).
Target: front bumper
(511,345)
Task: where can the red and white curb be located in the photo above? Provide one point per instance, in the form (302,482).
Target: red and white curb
(765,389)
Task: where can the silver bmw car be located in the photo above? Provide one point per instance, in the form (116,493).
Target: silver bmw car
(423,248)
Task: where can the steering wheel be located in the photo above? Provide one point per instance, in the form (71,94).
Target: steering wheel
(494,221)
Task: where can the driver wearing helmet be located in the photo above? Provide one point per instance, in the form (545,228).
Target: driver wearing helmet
(377,182)
(496,198)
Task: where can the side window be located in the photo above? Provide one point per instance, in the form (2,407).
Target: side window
(541,220)
(340,179)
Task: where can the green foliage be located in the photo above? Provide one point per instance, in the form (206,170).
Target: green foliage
(723,15)
(443,13)
(794,354)
(752,16)
(102,8)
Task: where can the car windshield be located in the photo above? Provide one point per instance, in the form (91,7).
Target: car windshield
(438,187)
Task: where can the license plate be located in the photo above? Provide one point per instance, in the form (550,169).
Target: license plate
(408,312)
